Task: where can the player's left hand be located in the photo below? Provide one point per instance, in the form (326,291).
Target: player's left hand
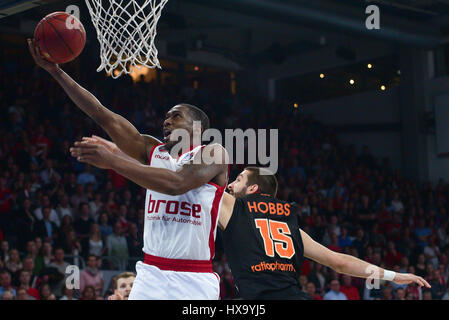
(93,154)
(407,278)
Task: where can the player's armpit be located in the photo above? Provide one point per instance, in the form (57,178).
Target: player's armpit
(319,253)
(129,140)
(227,207)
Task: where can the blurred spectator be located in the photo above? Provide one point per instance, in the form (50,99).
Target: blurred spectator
(32,251)
(13,264)
(387,293)
(26,222)
(78,198)
(303,282)
(348,289)
(105,227)
(427,295)
(392,257)
(86,176)
(28,265)
(344,240)
(135,241)
(446,294)
(4,253)
(317,277)
(53,215)
(117,245)
(7,295)
(64,208)
(334,292)
(5,201)
(24,283)
(60,267)
(48,173)
(96,245)
(95,205)
(83,225)
(69,294)
(46,253)
(5,284)
(45,293)
(91,276)
(438,286)
(311,290)
(23,295)
(421,266)
(413,292)
(431,251)
(400,294)
(89,294)
(122,219)
(46,228)
(422,232)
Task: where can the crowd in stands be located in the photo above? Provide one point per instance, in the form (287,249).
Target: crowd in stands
(55,210)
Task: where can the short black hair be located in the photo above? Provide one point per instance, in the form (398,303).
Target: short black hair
(264,178)
(198,115)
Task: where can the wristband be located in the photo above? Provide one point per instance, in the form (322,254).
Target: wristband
(389,275)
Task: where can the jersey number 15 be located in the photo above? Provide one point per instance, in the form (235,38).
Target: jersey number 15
(276,236)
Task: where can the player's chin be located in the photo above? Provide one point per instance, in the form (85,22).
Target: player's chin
(169,143)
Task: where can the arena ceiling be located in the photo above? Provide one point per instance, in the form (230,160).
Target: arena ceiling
(249,31)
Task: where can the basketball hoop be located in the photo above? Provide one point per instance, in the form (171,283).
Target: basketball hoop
(126,30)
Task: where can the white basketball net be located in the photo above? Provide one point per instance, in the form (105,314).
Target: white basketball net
(126,30)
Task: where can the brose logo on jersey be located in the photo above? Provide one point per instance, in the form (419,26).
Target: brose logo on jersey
(174,207)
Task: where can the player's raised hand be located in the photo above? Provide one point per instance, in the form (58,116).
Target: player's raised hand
(407,278)
(93,154)
(111,146)
(39,58)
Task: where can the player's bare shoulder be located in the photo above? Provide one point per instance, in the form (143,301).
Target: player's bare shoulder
(150,142)
(216,154)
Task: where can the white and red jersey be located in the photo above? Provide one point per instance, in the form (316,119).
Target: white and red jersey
(181,227)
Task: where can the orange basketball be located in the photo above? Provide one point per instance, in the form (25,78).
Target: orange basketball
(60,37)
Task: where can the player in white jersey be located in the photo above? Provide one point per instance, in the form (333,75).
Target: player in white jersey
(183,198)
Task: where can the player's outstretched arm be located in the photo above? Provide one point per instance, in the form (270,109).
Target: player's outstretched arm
(350,265)
(121,131)
(191,176)
(111,146)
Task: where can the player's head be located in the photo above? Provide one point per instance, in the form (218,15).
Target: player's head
(182,116)
(123,283)
(254,180)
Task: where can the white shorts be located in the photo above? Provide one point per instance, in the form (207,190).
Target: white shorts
(152,283)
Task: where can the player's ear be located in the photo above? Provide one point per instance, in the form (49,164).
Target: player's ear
(254,188)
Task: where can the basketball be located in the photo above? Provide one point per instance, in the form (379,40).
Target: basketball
(60,37)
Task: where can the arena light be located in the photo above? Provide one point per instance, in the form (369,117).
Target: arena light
(322,75)
(138,72)
(351,81)
(369,66)
(295,105)
(383,88)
